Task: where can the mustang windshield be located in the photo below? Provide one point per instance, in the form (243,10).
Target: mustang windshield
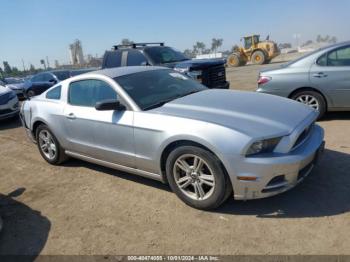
(163,54)
(150,89)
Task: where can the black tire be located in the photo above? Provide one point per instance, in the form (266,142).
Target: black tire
(60,156)
(258,58)
(220,191)
(322,107)
(267,61)
(233,60)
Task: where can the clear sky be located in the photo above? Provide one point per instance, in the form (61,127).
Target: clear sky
(34,29)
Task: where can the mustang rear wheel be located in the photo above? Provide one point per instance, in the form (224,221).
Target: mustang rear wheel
(197,177)
(49,146)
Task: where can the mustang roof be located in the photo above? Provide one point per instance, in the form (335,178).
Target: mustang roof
(126,70)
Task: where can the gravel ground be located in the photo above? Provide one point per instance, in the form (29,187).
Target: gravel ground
(81,208)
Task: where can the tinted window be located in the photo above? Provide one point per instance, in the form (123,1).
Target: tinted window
(47,77)
(149,88)
(89,92)
(248,43)
(62,75)
(135,58)
(38,78)
(113,59)
(322,61)
(162,55)
(339,57)
(54,93)
(81,71)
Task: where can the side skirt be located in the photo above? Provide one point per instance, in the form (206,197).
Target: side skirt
(115,166)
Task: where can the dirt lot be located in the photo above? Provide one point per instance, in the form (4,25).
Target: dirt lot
(81,208)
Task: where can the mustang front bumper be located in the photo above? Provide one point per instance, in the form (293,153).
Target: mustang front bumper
(276,173)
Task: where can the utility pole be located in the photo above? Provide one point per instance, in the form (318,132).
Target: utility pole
(47,61)
(42,61)
(24,68)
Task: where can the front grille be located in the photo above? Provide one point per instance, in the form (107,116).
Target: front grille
(303,136)
(214,76)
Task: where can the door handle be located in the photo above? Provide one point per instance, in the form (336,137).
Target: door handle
(319,75)
(70,116)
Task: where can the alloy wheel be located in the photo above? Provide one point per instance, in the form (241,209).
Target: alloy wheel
(309,100)
(47,144)
(194,177)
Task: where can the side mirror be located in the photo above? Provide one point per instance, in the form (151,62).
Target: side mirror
(53,81)
(144,63)
(109,104)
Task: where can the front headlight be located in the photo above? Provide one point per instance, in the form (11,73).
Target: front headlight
(182,69)
(197,75)
(263,146)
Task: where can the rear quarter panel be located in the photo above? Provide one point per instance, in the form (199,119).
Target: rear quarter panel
(49,112)
(285,81)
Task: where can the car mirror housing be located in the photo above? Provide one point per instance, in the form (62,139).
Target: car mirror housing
(109,104)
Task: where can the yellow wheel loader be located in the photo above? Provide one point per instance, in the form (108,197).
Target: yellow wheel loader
(256,51)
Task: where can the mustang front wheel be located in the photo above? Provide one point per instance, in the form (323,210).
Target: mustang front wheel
(197,177)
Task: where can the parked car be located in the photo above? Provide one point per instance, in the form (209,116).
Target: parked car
(320,79)
(161,124)
(44,80)
(9,106)
(16,84)
(209,72)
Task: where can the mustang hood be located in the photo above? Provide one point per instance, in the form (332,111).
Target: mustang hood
(257,115)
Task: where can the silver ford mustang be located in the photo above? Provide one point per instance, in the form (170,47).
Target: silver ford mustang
(158,123)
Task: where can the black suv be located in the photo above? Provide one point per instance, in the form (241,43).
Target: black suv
(210,72)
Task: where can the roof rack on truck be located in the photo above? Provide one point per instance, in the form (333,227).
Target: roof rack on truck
(135,45)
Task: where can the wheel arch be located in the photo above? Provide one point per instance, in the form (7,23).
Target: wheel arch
(301,89)
(183,142)
(35,126)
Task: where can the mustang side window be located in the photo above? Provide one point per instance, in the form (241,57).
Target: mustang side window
(54,93)
(89,92)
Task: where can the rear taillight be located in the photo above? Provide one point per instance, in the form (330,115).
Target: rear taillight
(263,80)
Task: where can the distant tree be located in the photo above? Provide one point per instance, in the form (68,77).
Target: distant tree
(326,39)
(199,48)
(7,68)
(126,41)
(333,40)
(308,42)
(234,48)
(189,53)
(319,39)
(216,43)
(32,69)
